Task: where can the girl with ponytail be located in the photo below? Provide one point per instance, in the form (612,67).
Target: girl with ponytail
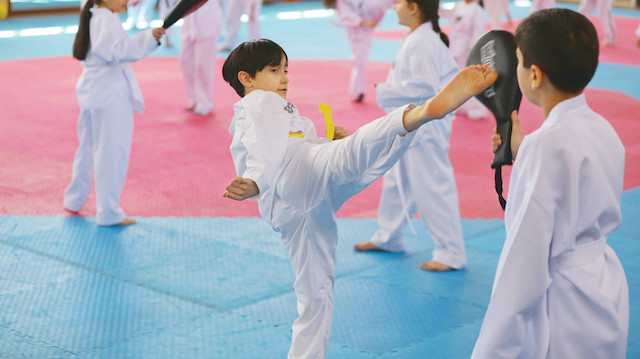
(108,94)
(422,180)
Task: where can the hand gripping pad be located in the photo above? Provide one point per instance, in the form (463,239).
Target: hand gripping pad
(181,9)
(497,49)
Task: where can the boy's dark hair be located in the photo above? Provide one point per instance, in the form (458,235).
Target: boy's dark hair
(251,57)
(563,43)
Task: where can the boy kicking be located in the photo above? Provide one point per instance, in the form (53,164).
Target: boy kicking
(300,180)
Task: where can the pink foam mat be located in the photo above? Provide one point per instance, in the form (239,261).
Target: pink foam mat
(180,162)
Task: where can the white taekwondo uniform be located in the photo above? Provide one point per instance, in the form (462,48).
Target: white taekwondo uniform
(302,183)
(200,33)
(560,291)
(233,12)
(605,14)
(108,94)
(468,21)
(423,178)
(351,13)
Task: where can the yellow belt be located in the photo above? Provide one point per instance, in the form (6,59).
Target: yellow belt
(296,134)
(328,121)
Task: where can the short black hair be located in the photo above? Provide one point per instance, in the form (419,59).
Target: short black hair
(251,57)
(563,43)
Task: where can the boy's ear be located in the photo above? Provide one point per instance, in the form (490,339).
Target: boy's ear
(537,76)
(244,78)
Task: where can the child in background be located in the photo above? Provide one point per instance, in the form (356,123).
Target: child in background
(560,291)
(233,12)
(542,4)
(163,10)
(200,34)
(423,178)
(604,8)
(468,22)
(300,180)
(359,18)
(108,94)
(495,9)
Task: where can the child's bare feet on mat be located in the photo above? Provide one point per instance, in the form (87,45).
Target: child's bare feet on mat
(435,266)
(367,246)
(127,222)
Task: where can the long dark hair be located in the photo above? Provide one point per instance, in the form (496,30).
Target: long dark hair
(429,11)
(82,41)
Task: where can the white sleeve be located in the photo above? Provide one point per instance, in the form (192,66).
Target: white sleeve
(347,15)
(523,274)
(265,139)
(110,43)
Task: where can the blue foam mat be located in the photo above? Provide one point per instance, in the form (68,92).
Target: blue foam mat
(223,288)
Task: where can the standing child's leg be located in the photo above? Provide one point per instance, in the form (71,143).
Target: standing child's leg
(360,41)
(253,11)
(81,184)
(205,70)
(113,131)
(188,67)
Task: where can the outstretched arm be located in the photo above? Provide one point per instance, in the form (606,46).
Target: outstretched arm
(468,82)
(240,189)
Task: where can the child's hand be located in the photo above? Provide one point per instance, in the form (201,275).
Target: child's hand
(340,133)
(516,136)
(241,188)
(157,33)
(369,23)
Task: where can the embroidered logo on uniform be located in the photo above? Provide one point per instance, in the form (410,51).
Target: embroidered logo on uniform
(289,107)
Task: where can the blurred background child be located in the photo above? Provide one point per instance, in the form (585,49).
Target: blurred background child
(359,18)
(423,178)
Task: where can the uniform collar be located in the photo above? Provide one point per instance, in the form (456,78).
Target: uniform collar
(561,109)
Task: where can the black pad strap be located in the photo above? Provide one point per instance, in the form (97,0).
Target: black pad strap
(498,180)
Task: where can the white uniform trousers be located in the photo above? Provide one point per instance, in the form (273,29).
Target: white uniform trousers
(233,12)
(542,4)
(316,180)
(423,180)
(604,14)
(360,41)
(198,63)
(495,9)
(105,143)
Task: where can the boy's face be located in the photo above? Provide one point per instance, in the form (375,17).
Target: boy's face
(271,78)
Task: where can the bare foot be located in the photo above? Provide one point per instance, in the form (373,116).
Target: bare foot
(127,222)
(72,213)
(435,266)
(367,247)
(468,82)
